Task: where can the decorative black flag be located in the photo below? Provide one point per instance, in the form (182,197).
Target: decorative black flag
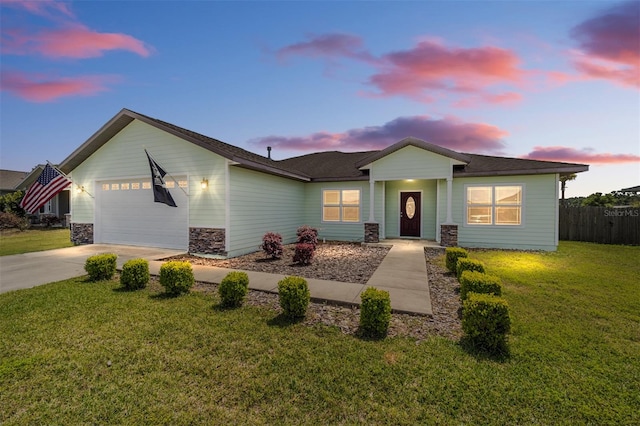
(160,192)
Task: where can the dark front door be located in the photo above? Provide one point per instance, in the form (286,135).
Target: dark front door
(410,214)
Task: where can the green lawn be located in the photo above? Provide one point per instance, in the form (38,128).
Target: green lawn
(575,356)
(34,239)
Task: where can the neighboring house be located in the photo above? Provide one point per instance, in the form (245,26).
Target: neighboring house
(632,190)
(227,198)
(58,206)
(9,179)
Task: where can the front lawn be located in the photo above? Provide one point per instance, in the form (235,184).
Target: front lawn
(35,239)
(77,352)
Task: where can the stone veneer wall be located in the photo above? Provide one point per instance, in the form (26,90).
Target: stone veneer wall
(449,235)
(207,241)
(82,233)
(371,232)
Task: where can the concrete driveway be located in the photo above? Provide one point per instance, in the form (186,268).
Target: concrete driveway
(33,269)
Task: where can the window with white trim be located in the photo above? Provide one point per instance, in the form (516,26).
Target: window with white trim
(494,205)
(341,205)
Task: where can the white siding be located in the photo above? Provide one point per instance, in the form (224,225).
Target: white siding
(539,214)
(261,203)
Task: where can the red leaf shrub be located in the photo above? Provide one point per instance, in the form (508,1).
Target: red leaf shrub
(272,245)
(307,235)
(304,253)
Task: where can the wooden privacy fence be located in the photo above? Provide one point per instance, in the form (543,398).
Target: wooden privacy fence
(604,225)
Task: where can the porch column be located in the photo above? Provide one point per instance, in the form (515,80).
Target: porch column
(371,227)
(371,201)
(449,230)
(449,195)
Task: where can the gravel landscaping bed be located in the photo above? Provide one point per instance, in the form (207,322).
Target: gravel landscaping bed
(353,263)
(344,262)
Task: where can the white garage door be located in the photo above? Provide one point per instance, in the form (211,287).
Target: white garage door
(127,214)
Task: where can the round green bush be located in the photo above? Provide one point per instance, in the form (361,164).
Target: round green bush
(101,266)
(233,288)
(176,277)
(294,296)
(135,274)
(375,312)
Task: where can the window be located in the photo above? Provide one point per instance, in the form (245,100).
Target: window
(494,205)
(341,205)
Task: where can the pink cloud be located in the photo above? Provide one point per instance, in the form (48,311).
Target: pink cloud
(330,46)
(573,155)
(610,45)
(76,41)
(47,9)
(433,66)
(449,132)
(40,88)
(427,71)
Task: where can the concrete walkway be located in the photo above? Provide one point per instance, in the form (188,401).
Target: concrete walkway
(403,273)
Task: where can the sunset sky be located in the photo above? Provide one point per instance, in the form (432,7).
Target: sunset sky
(549,80)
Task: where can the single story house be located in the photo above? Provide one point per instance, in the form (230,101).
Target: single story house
(9,180)
(227,198)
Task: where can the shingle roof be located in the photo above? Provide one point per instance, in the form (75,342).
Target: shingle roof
(330,165)
(9,179)
(485,165)
(321,166)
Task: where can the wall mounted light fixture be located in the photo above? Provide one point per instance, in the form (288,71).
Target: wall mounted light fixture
(204,184)
(79,189)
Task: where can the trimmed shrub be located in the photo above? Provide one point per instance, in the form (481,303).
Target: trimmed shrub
(307,235)
(375,312)
(233,289)
(452,256)
(11,220)
(303,254)
(466,264)
(49,220)
(294,296)
(101,266)
(135,274)
(479,282)
(486,322)
(272,245)
(176,277)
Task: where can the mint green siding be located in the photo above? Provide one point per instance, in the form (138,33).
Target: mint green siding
(539,219)
(428,206)
(261,203)
(411,163)
(124,157)
(332,230)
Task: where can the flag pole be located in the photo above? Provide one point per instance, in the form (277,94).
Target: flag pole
(68,178)
(167,173)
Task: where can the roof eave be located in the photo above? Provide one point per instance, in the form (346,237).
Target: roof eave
(553,170)
(248,164)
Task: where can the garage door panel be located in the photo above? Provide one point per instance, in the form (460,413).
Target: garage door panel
(130,216)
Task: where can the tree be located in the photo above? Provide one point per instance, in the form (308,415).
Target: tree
(563,183)
(599,200)
(10,203)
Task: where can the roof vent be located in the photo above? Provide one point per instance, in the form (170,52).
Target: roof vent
(269,152)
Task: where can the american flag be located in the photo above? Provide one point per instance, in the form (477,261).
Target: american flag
(45,188)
